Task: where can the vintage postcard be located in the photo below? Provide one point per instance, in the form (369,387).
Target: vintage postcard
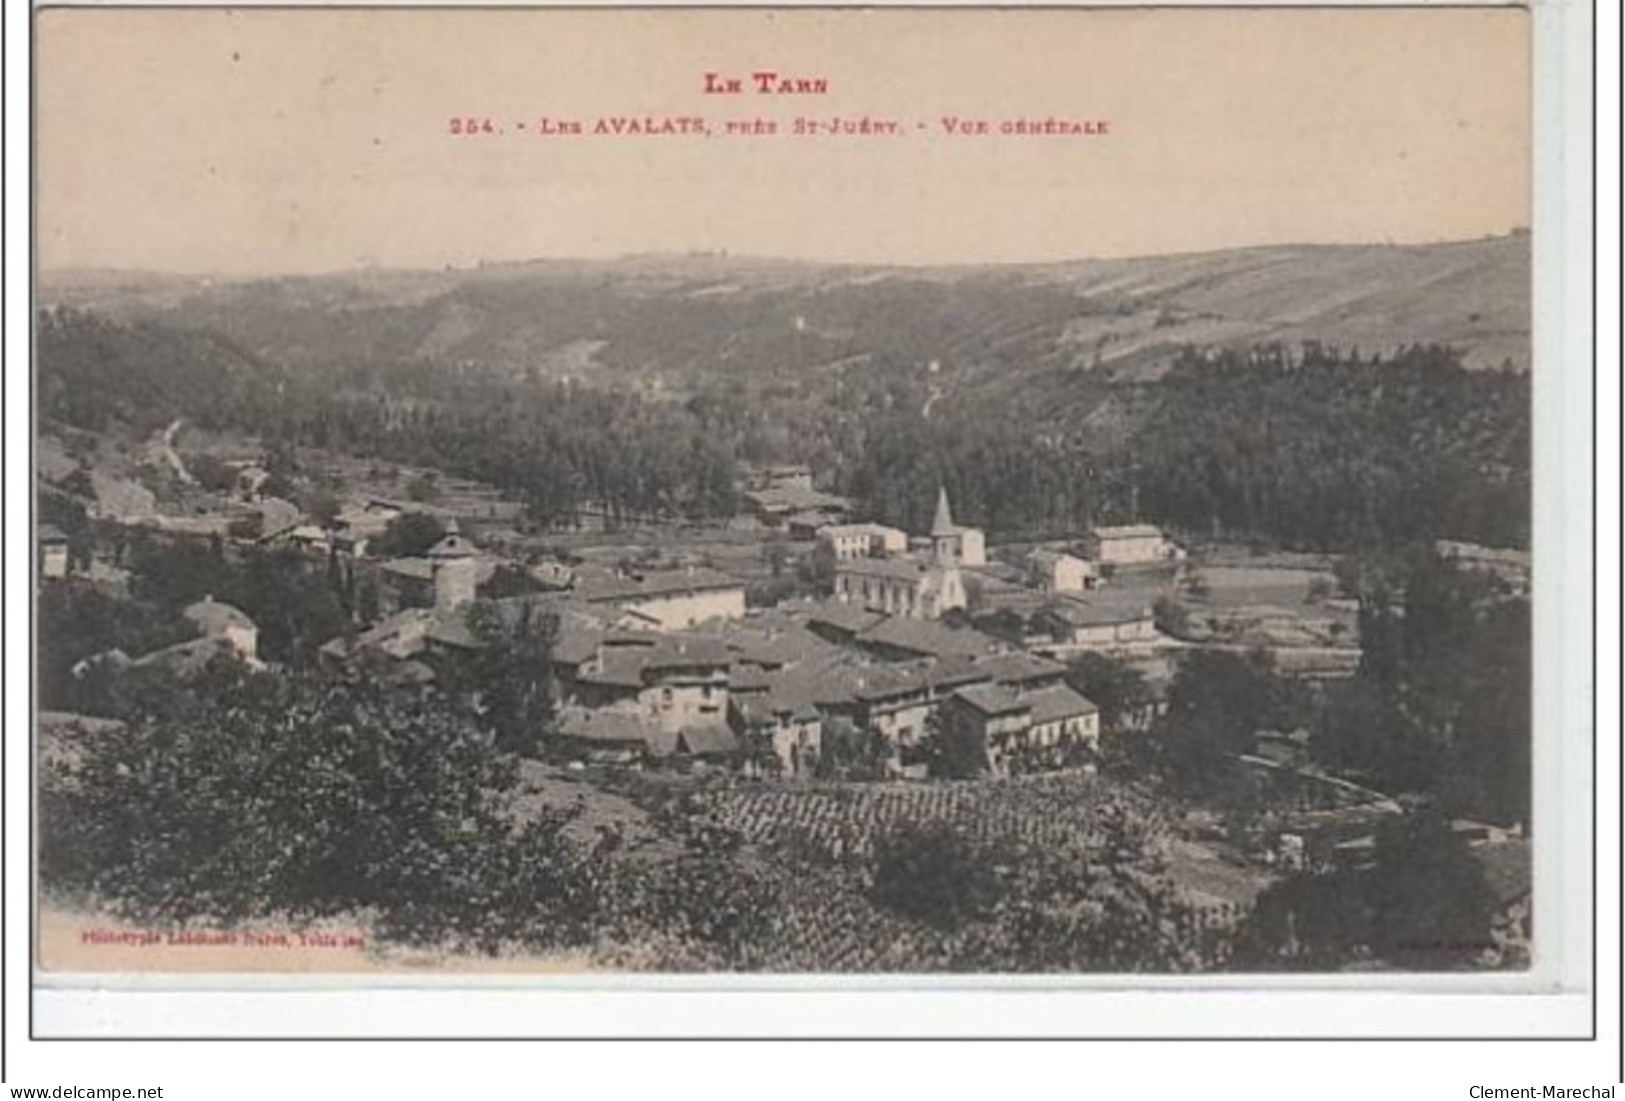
(823,491)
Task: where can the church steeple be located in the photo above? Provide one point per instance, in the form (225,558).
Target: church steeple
(943,524)
(944,533)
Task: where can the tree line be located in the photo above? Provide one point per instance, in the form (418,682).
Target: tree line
(1314,448)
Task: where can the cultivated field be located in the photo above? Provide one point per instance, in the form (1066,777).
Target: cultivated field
(841,821)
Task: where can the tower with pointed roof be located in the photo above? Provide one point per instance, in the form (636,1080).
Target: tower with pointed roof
(455,565)
(944,534)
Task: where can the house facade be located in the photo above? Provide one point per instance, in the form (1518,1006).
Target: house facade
(844,542)
(997,728)
(670,600)
(670,683)
(1099,625)
(1059,572)
(1130,545)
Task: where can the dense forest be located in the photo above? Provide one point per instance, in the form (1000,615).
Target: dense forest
(1309,448)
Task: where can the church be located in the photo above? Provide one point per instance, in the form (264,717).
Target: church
(924,584)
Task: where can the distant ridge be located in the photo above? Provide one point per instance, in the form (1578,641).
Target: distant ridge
(674,314)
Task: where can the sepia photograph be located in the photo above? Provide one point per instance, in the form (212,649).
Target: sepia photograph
(784,491)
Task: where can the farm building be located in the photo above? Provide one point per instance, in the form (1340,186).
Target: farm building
(668,600)
(780,476)
(1129,545)
(1058,572)
(1096,624)
(774,505)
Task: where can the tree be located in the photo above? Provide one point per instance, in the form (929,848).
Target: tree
(509,580)
(322,505)
(1422,905)
(424,488)
(258,796)
(1104,903)
(513,672)
(1441,703)
(1431,908)
(1171,616)
(296,607)
(408,535)
(1310,921)
(211,472)
(78,621)
(1217,703)
(775,553)
(933,874)
(1116,688)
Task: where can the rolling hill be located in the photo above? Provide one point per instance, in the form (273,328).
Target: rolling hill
(676,321)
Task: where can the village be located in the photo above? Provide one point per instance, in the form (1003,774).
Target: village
(798,645)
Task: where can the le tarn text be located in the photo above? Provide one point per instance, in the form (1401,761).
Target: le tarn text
(763,82)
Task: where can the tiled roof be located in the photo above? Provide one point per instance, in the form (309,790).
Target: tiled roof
(992,699)
(276,515)
(453,630)
(628,657)
(847,619)
(772,647)
(1057,703)
(1129,531)
(875,683)
(895,569)
(703,741)
(1098,613)
(1018,667)
(419,569)
(921,636)
(399,636)
(795,499)
(616,727)
(686,651)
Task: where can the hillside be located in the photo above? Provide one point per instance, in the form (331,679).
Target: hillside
(674,321)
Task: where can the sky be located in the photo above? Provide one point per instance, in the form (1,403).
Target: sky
(280,142)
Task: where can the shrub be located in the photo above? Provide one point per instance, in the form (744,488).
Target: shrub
(932,873)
